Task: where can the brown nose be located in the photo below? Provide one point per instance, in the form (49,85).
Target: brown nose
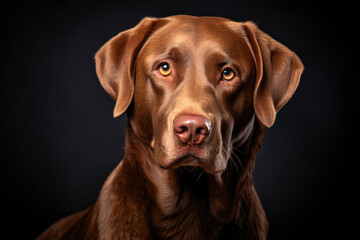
(191,129)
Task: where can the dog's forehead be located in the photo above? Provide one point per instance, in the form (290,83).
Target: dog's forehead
(188,36)
(197,31)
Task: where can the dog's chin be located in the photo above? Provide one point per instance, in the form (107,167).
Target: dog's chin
(193,163)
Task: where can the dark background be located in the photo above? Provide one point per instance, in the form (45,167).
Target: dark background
(60,142)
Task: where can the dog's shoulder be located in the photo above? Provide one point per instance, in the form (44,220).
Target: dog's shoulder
(123,205)
(80,225)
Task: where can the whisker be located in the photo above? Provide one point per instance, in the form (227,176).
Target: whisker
(226,153)
(233,161)
(243,153)
(191,170)
(239,160)
(202,171)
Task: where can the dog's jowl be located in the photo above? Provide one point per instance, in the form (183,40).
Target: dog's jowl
(198,93)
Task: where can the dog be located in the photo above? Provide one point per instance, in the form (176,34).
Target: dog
(198,93)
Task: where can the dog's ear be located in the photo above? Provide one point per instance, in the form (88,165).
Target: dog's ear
(277,75)
(115,62)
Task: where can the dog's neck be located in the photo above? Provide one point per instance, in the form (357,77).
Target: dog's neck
(187,202)
(191,203)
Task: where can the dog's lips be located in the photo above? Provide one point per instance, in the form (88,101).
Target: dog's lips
(187,159)
(190,159)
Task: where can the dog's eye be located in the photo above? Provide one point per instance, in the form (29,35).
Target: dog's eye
(164,69)
(227,74)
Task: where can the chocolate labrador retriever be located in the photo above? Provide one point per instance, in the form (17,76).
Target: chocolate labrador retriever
(198,93)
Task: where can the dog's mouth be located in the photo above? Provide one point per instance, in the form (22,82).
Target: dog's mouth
(192,163)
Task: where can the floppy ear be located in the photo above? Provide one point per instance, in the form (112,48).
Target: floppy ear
(115,62)
(277,75)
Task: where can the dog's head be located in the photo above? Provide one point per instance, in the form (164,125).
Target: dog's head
(196,84)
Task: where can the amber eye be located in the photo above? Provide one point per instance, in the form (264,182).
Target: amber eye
(164,69)
(227,74)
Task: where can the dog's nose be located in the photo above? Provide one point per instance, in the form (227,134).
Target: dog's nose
(191,129)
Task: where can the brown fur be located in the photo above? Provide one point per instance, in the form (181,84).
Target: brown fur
(163,188)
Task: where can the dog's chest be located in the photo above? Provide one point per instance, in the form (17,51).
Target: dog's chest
(192,211)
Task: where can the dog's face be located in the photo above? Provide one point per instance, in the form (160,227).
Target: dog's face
(193,82)
(196,85)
